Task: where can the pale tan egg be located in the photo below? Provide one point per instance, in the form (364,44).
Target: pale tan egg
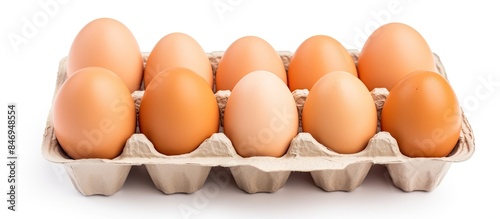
(261,117)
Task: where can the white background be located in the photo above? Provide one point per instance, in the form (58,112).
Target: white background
(464,34)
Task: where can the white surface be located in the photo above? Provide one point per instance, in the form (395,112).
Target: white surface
(464,35)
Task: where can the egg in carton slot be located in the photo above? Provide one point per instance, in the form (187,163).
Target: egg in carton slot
(187,173)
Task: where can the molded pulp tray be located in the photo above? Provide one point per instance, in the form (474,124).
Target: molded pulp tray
(187,173)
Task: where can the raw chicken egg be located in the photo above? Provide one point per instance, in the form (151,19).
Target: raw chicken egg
(423,115)
(109,44)
(391,52)
(178,50)
(246,55)
(315,57)
(261,117)
(93,114)
(340,113)
(178,111)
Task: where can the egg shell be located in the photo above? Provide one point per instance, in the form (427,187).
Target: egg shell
(216,157)
(315,57)
(245,55)
(94,114)
(178,50)
(339,112)
(263,121)
(422,113)
(178,111)
(107,43)
(391,52)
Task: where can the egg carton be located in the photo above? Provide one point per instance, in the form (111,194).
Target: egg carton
(187,173)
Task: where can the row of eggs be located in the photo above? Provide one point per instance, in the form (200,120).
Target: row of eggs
(94,113)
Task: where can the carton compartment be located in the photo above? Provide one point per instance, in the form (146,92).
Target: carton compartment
(187,173)
(418,174)
(346,179)
(173,178)
(252,180)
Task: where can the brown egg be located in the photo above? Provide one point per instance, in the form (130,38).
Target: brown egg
(246,55)
(423,115)
(340,113)
(315,57)
(261,117)
(109,44)
(178,111)
(178,50)
(94,114)
(390,53)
